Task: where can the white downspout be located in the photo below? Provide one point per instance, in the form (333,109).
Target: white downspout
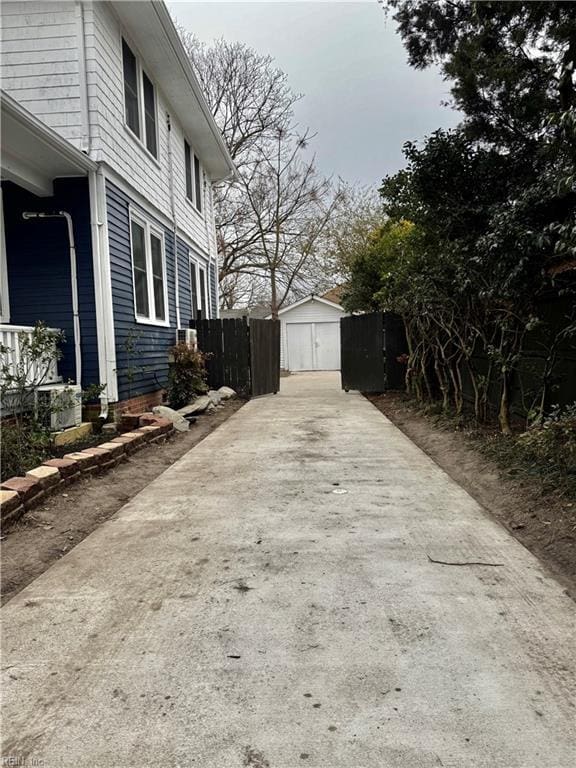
(101,336)
(75,310)
(106,286)
(73,279)
(174,225)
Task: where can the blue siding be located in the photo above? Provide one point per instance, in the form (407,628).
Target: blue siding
(141,350)
(38,260)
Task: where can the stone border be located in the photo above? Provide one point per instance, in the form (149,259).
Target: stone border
(20,494)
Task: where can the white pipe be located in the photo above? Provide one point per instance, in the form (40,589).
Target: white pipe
(73,280)
(84,114)
(101,336)
(174,224)
(106,285)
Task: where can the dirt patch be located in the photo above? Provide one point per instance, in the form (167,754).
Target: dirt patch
(47,533)
(544,522)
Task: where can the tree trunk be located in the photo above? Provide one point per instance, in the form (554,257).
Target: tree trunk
(504,412)
(274,295)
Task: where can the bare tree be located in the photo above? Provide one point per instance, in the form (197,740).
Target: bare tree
(249,98)
(290,206)
(270,219)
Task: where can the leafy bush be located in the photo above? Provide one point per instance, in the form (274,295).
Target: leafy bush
(554,441)
(187,377)
(24,446)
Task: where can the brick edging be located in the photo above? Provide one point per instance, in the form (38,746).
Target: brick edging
(20,494)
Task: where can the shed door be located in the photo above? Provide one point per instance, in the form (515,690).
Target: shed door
(299,342)
(327,346)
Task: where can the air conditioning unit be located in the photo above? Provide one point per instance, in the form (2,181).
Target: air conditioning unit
(59,406)
(188,336)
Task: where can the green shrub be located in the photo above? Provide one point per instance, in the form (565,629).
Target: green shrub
(554,441)
(187,377)
(24,445)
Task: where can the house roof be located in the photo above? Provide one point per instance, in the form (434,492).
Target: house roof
(335,294)
(311,297)
(33,154)
(153,32)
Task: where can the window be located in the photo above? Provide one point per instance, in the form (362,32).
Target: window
(204,292)
(188,165)
(131,89)
(139,100)
(193,290)
(193,177)
(149,272)
(198,183)
(198,290)
(149,114)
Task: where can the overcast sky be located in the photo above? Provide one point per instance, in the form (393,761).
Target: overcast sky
(360,96)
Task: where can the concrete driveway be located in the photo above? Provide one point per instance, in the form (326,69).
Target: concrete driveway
(269,602)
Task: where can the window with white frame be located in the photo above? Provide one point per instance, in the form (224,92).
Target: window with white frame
(194,306)
(139,101)
(193,172)
(204,291)
(149,270)
(198,290)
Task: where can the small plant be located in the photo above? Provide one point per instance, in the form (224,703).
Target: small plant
(25,436)
(187,378)
(553,442)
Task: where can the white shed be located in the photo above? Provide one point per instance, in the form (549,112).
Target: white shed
(310,335)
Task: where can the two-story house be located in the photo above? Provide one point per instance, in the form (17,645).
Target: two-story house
(109,154)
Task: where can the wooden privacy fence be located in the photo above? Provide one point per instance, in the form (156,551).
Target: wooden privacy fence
(372,346)
(242,354)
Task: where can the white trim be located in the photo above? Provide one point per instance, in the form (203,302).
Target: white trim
(312,297)
(193,201)
(5,311)
(193,263)
(150,230)
(98,293)
(150,210)
(107,328)
(46,135)
(206,313)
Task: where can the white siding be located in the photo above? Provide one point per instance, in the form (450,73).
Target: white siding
(42,69)
(311,311)
(115,144)
(40,65)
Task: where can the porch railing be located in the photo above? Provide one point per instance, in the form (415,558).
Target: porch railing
(11,340)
